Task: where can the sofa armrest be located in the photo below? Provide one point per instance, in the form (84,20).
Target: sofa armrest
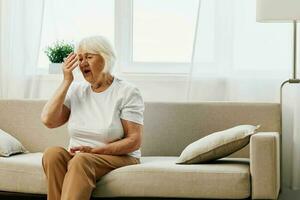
(265,165)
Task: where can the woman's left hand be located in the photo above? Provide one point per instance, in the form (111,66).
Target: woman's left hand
(84,149)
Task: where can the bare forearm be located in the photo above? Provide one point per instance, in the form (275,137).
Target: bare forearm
(120,147)
(54,106)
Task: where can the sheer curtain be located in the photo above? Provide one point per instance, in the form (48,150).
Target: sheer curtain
(20,32)
(237,59)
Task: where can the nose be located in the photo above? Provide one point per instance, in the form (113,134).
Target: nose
(83,63)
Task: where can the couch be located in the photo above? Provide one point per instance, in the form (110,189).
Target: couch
(253,172)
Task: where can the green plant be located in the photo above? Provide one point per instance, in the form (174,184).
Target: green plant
(58,51)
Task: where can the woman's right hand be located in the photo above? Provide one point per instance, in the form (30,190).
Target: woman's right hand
(69,65)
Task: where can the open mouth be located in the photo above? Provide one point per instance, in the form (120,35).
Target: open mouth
(86,71)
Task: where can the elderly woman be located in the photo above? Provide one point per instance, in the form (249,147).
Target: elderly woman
(105,122)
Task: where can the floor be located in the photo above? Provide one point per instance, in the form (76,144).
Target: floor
(286,194)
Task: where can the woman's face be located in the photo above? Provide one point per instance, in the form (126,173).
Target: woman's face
(91,66)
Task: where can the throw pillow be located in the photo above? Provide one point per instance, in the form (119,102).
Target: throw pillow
(10,145)
(217,145)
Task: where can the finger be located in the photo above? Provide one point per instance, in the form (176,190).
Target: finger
(71,63)
(74,66)
(72,58)
(70,55)
(83,148)
(72,154)
(75,148)
(72,150)
(69,58)
(66,58)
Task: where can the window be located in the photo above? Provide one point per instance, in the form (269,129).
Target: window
(163,31)
(152,36)
(157,36)
(70,20)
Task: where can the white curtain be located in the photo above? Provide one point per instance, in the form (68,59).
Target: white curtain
(20,32)
(236,58)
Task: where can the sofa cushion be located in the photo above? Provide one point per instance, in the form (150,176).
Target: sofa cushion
(162,177)
(23,173)
(9,145)
(217,145)
(155,176)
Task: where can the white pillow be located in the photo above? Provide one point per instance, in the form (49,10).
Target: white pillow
(217,145)
(10,145)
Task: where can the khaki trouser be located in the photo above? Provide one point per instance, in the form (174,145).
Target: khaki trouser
(74,177)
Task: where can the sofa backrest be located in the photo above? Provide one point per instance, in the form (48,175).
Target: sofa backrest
(168,127)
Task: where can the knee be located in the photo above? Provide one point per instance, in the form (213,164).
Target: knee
(54,153)
(80,160)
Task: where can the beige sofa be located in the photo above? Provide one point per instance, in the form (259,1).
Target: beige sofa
(169,128)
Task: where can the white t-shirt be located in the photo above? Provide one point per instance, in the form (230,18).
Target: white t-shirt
(95,118)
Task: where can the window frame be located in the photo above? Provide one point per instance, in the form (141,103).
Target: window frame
(222,55)
(124,46)
(123,40)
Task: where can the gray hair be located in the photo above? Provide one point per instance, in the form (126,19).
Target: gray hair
(99,45)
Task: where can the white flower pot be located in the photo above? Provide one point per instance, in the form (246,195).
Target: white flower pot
(55,68)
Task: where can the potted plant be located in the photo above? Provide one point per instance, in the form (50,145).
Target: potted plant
(56,54)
